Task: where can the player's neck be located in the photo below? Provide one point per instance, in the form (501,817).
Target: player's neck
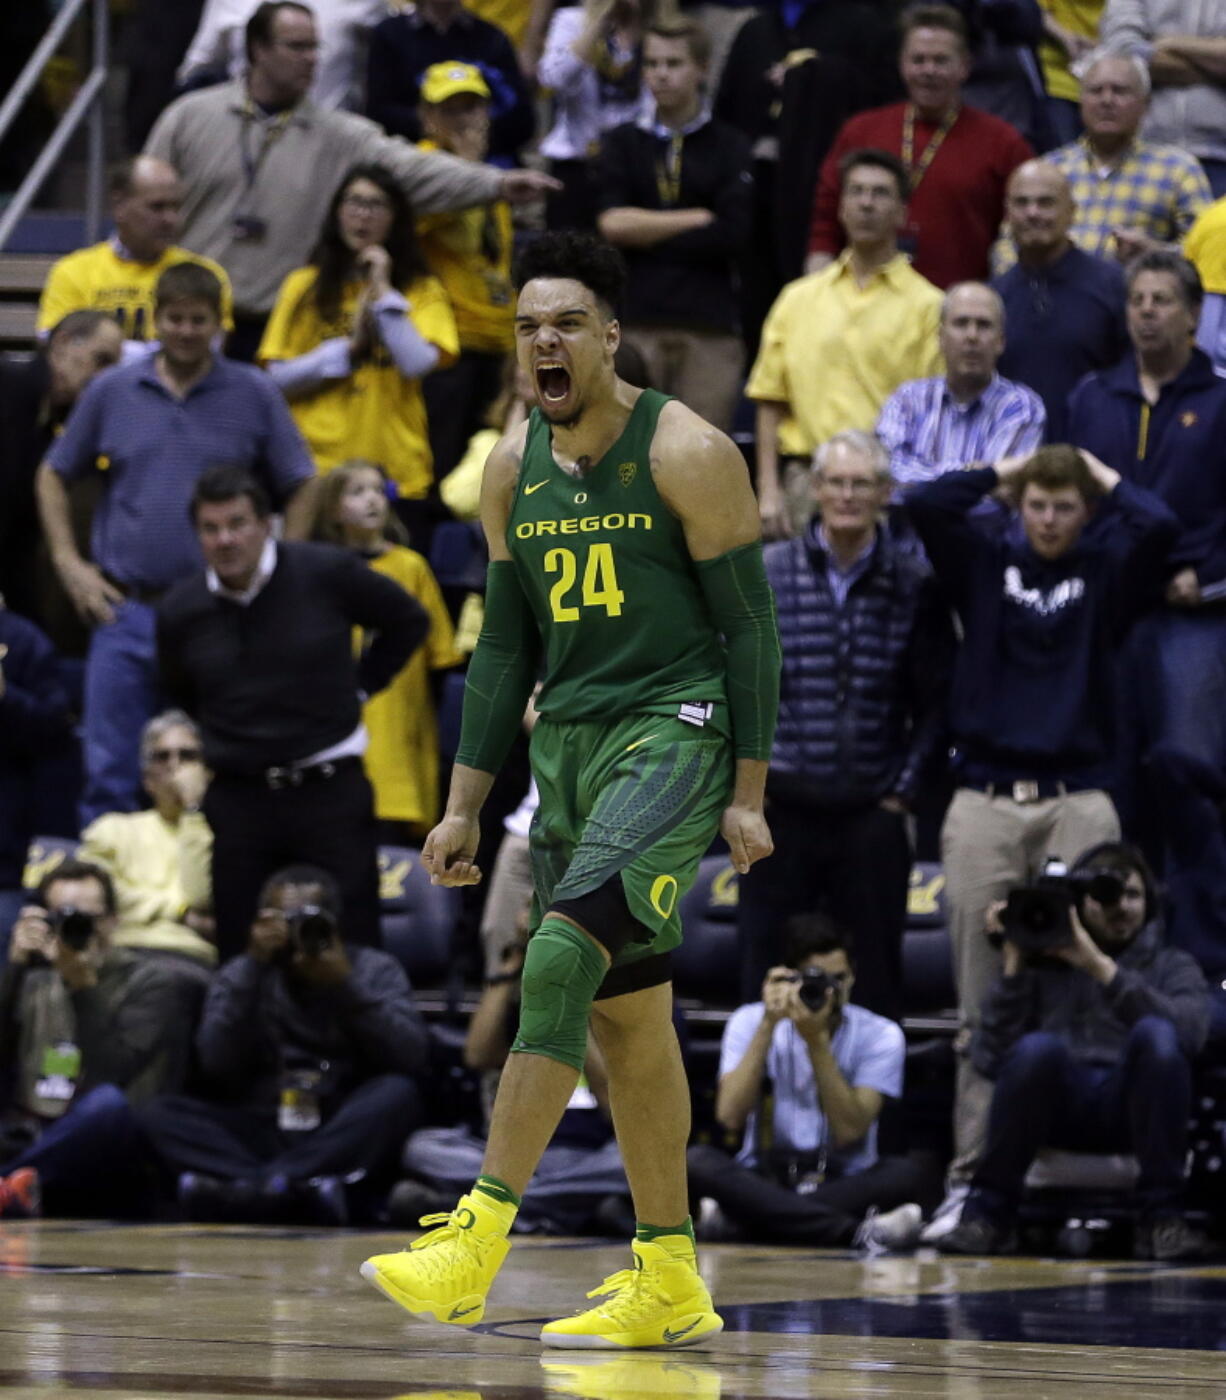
(578,446)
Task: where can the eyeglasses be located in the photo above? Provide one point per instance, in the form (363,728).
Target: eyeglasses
(183,755)
(361,205)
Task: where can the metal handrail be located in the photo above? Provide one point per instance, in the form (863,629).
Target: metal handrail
(88,103)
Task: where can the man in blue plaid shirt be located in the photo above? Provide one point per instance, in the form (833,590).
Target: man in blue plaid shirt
(1131,195)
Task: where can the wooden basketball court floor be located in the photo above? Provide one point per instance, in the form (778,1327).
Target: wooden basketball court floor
(128,1313)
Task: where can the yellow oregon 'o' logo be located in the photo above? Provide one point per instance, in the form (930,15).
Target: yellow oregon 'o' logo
(664,895)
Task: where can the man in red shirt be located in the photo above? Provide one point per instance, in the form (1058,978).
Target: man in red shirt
(958,157)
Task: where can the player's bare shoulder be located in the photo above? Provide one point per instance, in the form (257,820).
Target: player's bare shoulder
(498,485)
(703,479)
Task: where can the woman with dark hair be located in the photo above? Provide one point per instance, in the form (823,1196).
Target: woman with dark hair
(353,333)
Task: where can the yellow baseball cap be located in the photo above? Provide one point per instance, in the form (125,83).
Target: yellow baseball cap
(443,80)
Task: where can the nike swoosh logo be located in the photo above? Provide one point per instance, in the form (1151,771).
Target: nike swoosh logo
(671,1336)
(638,742)
(536,486)
(463,1312)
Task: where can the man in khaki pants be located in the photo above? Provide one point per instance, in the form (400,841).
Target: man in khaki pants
(1043,603)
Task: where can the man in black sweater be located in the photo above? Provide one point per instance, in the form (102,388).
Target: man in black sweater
(676,195)
(259,650)
(1043,608)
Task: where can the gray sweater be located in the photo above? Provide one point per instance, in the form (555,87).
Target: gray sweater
(1153,980)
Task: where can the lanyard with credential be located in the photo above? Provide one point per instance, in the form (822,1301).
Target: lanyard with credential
(916,170)
(668,172)
(273,131)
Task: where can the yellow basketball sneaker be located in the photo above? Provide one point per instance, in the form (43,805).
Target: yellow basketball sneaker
(447,1273)
(661,1302)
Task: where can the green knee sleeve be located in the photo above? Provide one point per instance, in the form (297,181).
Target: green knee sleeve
(562,970)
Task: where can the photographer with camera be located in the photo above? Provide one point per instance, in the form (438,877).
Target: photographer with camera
(808,1170)
(85,1028)
(309,1049)
(1044,604)
(1089,1034)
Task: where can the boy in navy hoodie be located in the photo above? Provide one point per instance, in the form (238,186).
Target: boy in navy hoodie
(1043,607)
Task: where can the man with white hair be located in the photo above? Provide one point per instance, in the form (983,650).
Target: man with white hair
(1182,44)
(1132,194)
(867,652)
(969,414)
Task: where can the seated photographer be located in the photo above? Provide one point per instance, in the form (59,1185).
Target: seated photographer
(831,1066)
(579,1185)
(159,859)
(308,1049)
(85,1027)
(1089,1034)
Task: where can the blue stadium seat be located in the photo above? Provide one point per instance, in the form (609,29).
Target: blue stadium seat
(458,556)
(417,918)
(44,854)
(707,965)
(927,962)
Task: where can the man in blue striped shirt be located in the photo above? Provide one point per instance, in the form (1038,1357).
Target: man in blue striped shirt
(152,429)
(969,415)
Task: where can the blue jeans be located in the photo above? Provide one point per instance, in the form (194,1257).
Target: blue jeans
(92,1161)
(1045,1097)
(121,693)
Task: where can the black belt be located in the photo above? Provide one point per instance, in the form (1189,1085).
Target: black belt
(1024,790)
(292,775)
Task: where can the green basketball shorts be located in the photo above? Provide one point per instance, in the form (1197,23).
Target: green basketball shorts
(639,796)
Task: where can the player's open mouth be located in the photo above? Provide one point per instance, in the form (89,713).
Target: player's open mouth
(552,381)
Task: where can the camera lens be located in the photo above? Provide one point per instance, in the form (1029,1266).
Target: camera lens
(73,927)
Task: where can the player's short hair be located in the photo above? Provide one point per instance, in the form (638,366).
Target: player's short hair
(695,36)
(577,257)
(259,26)
(73,869)
(814,935)
(228,483)
(935,17)
(878,160)
(1055,467)
(188,281)
(1187,279)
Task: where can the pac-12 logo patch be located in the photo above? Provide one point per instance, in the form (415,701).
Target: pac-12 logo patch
(627,472)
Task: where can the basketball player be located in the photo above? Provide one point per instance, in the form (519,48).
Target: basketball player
(626,568)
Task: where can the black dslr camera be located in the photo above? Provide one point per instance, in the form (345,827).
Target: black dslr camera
(73,927)
(312,928)
(1036,917)
(814,984)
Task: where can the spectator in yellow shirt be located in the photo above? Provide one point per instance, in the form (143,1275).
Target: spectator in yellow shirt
(353,334)
(1205,248)
(159,860)
(118,275)
(402,730)
(469,251)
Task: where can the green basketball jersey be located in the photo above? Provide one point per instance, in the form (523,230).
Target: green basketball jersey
(606,570)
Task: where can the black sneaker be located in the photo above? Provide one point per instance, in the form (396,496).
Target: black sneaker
(978,1235)
(411,1199)
(1168,1238)
(211,1200)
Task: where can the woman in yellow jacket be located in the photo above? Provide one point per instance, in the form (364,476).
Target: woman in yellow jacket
(352,335)
(402,752)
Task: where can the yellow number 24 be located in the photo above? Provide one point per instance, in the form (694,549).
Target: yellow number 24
(600,588)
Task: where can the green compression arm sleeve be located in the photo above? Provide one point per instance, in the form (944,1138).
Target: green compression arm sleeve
(743,607)
(501,673)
